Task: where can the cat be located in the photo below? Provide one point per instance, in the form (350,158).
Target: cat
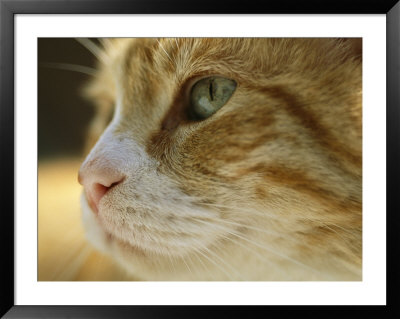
(227,158)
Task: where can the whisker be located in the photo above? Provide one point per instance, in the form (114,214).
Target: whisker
(267,232)
(330,228)
(93,48)
(195,252)
(207,250)
(171,263)
(273,217)
(172,55)
(70,67)
(165,51)
(276,253)
(236,209)
(342,236)
(105,42)
(262,247)
(195,266)
(262,258)
(224,262)
(184,261)
(214,263)
(335,225)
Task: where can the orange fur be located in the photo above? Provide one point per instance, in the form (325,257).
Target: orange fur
(267,188)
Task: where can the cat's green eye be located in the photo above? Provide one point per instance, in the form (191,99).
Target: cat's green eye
(209,95)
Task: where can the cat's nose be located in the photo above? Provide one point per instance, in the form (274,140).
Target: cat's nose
(97,180)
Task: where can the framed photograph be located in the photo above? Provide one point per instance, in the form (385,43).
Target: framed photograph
(160,154)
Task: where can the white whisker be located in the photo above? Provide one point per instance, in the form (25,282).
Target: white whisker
(275,252)
(255,253)
(209,251)
(262,247)
(93,48)
(184,261)
(165,51)
(70,67)
(224,262)
(171,263)
(237,209)
(325,225)
(195,252)
(105,42)
(194,265)
(267,232)
(214,263)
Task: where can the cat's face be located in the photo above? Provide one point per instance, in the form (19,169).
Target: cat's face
(228,159)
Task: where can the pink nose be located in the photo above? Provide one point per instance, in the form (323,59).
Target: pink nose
(97,181)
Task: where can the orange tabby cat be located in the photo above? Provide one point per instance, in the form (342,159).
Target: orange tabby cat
(228,159)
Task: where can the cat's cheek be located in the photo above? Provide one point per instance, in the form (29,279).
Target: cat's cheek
(93,230)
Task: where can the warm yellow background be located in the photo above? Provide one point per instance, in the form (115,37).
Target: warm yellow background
(63,252)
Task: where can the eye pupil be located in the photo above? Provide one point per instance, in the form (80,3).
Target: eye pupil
(211,90)
(209,95)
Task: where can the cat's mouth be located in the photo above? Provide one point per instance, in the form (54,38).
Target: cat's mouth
(95,231)
(91,203)
(94,212)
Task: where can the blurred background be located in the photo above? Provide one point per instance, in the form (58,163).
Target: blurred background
(63,119)
(63,113)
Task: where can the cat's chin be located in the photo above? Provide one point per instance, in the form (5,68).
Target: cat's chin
(131,258)
(99,237)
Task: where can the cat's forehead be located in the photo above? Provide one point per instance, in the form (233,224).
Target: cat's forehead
(180,57)
(183,55)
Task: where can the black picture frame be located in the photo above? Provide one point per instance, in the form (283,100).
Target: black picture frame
(8,10)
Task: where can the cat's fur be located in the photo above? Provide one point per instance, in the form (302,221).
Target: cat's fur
(268,188)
